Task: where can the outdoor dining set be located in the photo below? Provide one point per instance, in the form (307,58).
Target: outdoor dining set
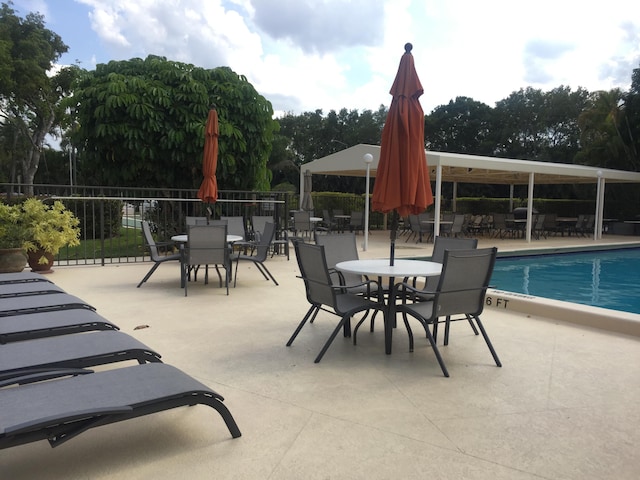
(217,244)
(449,287)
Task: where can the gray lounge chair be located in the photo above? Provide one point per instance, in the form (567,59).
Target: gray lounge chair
(59,409)
(41,303)
(78,350)
(47,324)
(28,288)
(22,277)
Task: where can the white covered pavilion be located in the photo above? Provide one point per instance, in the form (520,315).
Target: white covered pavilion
(461,168)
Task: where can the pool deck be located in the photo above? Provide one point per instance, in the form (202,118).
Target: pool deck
(565,404)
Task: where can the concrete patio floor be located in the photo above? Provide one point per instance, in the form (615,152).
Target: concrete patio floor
(565,405)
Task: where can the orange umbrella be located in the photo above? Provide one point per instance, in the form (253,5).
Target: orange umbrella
(209,188)
(402,180)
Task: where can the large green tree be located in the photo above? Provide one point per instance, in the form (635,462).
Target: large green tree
(311,135)
(30,95)
(141,123)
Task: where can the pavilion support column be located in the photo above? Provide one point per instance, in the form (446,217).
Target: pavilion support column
(454,201)
(436,215)
(530,207)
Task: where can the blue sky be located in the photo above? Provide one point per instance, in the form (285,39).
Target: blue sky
(304,55)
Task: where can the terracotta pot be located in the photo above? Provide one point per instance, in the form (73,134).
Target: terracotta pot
(12,260)
(34,261)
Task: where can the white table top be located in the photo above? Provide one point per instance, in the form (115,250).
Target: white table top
(315,219)
(381,268)
(442,222)
(342,216)
(184,238)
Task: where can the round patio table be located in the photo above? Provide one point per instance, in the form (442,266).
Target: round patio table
(381,268)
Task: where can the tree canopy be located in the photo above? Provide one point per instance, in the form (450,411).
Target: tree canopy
(30,95)
(141,123)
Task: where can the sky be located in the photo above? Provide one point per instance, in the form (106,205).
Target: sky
(307,55)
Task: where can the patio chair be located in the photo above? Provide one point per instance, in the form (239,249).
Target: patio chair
(47,324)
(62,408)
(258,223)
(461,291)
(322,294)
(539,227)
(236,226)
(28,288)
(457,227)
(156,258)
(207,245)
(78,350)
(191,221)
(26,304)
(341,247)
(22,277)
(356,222)
(302,224)
(418,229)
(261,249)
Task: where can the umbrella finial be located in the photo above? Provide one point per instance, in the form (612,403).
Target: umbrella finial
(408,47)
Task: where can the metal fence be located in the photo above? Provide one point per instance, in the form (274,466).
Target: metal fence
(110,217)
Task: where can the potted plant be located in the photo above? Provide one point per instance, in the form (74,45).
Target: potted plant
(48,229)
(12,238)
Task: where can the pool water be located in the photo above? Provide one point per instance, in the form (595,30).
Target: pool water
(607,279)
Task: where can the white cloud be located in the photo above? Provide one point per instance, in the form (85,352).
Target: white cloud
(305,55)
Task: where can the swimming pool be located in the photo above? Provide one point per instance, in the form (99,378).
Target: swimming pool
(607,279)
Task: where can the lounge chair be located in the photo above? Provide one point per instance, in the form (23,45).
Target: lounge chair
(78,350)
(59,409)
(41,303)
(28,288)
(22,277)
(47,324)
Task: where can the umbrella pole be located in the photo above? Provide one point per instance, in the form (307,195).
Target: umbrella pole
(394,233)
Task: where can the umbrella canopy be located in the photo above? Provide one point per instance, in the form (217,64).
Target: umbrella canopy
(402,181)
(307,200)
(209,188)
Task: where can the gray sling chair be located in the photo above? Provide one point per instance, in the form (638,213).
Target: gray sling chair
(156,258)
(340,247)
(261,250)
(26,304)
(28,288)
(322,294)
(77,350)
(461,291)
(22,277)
(72,401)
(29,326)
(206,245)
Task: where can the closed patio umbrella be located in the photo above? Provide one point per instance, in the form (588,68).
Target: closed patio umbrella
(307,200)
(208,191)
(402,181)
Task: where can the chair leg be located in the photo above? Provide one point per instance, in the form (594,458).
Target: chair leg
(149,273)
(327,344)
(312,310)
(436,352)
(473,325)
(486,339)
